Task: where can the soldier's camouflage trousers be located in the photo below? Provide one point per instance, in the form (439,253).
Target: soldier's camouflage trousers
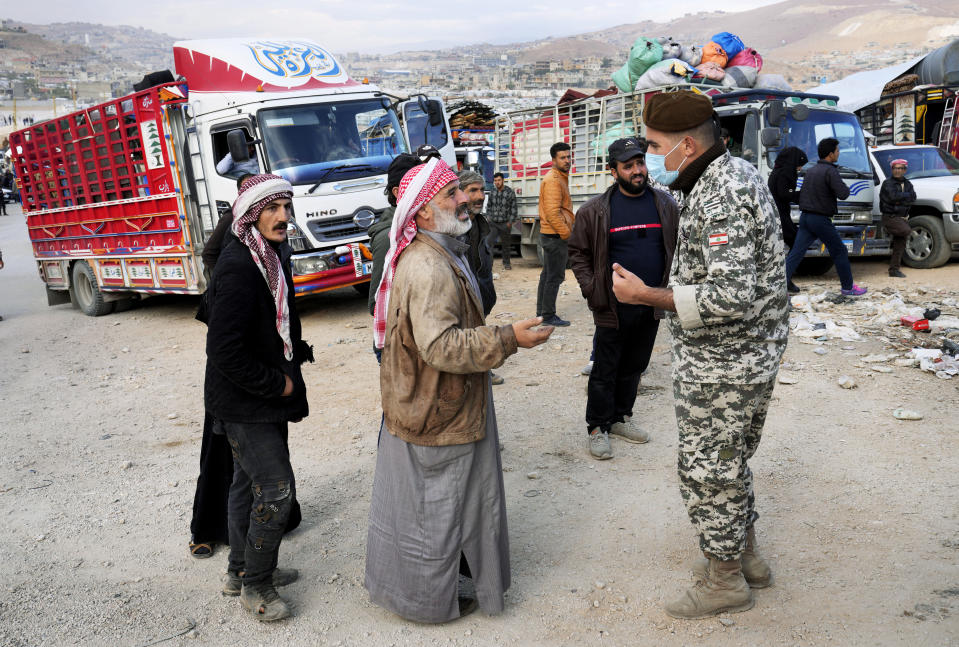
(719,430)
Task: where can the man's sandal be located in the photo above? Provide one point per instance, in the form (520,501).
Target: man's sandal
(201,550)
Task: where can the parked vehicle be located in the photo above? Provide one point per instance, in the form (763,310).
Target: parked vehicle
(934,217)
(761,123)
(120,197)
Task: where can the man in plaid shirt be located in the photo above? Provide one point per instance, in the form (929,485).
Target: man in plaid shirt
(501,213)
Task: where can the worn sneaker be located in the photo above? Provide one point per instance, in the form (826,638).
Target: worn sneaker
(896,274)
(629,432)
(598,443)
(553,320)
(854,291)
(586,370)
(232,584)
(262,600)
(792,288)
(495,379)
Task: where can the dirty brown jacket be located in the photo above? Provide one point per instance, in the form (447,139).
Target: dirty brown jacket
(555,204)
(438,351)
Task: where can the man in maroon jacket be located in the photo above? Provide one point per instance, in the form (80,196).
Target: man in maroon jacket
(634,225)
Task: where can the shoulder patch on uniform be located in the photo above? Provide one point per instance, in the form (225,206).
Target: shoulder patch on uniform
(718,239)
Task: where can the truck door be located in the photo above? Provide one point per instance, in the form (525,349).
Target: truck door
(225,172)
(425,122)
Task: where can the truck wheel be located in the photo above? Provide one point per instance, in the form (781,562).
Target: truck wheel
(532,253)
(814,266)
(86,292)
(927,245)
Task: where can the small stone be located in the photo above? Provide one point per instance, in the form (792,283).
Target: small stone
(334,578)
(787,379)
(726,622)
(849,348)
(906,414)
(24,350)
(595,604)
(847,382)
(173,483)
(821,351)
(881,369)
(599,584)
(40,537)
(469,632)
(193,633)
(533,476)
(495,276)
(127,465)
(532,384)
(137,579)
(105,437)
(171,416)
(124,350)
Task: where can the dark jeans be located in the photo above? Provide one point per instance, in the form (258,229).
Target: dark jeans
(501,231)
(260,497)
(811,227)
(897,227)
(621,356)
(555,254)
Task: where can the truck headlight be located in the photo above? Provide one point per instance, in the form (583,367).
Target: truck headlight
(296,238)
(309,265)
(955,202)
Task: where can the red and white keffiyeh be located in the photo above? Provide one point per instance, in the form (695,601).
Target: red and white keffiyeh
(418,186)
(255,193)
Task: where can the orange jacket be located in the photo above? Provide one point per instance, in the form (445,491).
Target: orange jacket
(555,205)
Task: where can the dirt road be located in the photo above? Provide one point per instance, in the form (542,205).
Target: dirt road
(100,431)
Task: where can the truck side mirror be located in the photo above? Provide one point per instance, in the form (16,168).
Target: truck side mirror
(435,112)
(239,149)
(800,112)
(472,158)
(771,137)
(775,113)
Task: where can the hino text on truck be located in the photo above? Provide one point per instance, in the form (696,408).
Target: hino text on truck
(120,197)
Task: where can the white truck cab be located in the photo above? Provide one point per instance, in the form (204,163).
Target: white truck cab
(301,117)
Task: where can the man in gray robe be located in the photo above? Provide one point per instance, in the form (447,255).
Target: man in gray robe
(438,507)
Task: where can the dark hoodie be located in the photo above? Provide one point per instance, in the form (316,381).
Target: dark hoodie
(782,184)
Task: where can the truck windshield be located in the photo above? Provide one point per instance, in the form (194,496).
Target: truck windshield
(924,161)
(331,141)
(828,123)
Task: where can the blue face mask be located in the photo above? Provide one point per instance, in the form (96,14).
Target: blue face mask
(656,167)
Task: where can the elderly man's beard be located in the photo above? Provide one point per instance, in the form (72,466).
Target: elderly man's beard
(448,223)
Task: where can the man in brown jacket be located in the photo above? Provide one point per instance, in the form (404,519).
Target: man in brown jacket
(438,507)
(555,224)
(634,225)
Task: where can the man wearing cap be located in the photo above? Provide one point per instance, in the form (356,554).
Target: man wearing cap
(728,319)
(895,197)
(479,254)
(634,225)
(438,508)
(555,226)
(254,387)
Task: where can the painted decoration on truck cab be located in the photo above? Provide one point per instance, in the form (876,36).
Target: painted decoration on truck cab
(247,65)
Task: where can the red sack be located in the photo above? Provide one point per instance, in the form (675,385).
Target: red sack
(713,53)
(748,58)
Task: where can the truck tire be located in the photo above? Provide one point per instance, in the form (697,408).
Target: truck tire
(926,246)
(86,293)
(814,266)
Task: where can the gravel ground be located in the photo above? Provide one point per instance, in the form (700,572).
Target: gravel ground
(100,424)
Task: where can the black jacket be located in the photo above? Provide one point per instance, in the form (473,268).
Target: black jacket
(214,244)
(822,186)
(589,252)
(895,197)
(481,261)
(245,365)
(782,184)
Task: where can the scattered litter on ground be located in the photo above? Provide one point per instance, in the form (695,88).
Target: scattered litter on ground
(906,414)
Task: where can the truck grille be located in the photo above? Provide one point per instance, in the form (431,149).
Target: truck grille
(336,228)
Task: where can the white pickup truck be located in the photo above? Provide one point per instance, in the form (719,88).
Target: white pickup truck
(934,217)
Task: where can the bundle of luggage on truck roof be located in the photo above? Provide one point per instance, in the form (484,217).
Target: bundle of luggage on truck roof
(723,61)
(471,115)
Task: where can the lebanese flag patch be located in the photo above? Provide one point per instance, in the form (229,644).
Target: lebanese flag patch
(718,239)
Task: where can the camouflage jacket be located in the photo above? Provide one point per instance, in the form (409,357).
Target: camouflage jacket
(728,279)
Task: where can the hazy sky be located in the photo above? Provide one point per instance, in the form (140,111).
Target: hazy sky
(367,25)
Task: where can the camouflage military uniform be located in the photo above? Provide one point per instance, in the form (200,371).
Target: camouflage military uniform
(729,333)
